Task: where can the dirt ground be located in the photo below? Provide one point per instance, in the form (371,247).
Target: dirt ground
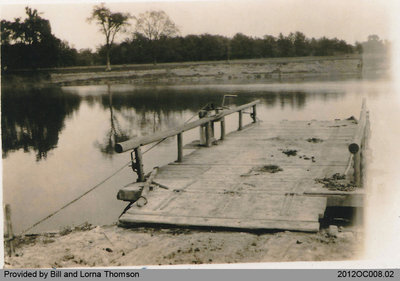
(103,246)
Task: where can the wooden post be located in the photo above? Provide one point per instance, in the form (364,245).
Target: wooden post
(10,234)
(208,134)
(222,128)
(356,147)
(254,113)
(139,164)
(202,114)
(357,168)
(364,149)
(146,188)
(180,147)
(240,120)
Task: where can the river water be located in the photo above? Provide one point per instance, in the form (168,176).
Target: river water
(58,142)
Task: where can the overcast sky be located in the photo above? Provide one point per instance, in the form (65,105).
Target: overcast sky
(351,20)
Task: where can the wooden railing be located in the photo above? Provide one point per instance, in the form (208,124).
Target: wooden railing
(206,124)
(358,145)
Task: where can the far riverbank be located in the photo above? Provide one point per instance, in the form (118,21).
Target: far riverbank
(232,72)
(270,70)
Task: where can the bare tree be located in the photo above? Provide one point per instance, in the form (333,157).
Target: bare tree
(110,24)
(155,25)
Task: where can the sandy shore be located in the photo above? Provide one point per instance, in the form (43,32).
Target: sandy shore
(102,246)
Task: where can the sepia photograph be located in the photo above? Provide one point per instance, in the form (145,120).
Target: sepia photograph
(223,133)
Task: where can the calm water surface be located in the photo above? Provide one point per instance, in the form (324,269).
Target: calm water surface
(58,142)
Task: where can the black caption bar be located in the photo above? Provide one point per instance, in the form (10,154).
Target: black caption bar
(200,274)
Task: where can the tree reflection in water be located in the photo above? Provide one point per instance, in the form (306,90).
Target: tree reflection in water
(115,134)
(33,119)
(146,111)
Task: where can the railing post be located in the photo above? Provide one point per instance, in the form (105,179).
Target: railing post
(208,134)
(254,115)
(240,120)
(10,234)
(364,149)
(180,148)
(202,114)
(357,168)
(357,146)
(222,128)
(139,164)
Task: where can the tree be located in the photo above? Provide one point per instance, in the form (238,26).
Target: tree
(358,48)
(285,45)
(270,47)
(373,45)
(212,47)
(35,29)
(241,46)
(29,43)
(6,32)
(85,57)
(300,44)
(155,26)
(110,24)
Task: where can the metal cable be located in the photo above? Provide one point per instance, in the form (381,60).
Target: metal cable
(77,198)
(100,183)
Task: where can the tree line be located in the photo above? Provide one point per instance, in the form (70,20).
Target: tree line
(29,43)
(207,47)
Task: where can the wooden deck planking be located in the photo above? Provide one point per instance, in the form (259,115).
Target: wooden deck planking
(220,186)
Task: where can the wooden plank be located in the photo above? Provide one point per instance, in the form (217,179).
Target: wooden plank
(337,198)
(131,192)
(230,206)
(306,226)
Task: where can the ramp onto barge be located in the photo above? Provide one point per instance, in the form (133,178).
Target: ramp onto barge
(261,177)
